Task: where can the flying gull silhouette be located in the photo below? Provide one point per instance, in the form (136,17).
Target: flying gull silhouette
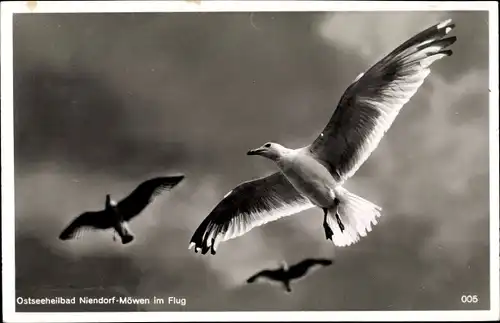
(313,175)
(285,275)
(116,215)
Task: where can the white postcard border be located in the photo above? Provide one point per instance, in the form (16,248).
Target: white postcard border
(7,146)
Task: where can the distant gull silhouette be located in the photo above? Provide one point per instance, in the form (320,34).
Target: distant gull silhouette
(116,216)
(314,175)
(285,275)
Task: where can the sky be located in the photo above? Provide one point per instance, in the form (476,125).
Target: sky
(105,101)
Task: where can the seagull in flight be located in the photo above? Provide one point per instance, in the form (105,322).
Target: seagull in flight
(117,215)
(313,176)
(285,275)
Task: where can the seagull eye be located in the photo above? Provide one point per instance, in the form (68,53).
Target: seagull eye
(267,145)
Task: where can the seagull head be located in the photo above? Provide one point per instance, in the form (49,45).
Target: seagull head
(109,202)
(269,150)
(284,265)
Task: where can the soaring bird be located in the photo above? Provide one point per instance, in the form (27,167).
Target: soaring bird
(285,275)
(117,215)
(314,175)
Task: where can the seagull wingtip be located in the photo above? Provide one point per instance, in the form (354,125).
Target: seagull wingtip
(445,23)
(64,236)
(196,248)
(176,179)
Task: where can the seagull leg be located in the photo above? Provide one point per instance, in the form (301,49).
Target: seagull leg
(287,286)
(328,230)
(339,222)
(336,208)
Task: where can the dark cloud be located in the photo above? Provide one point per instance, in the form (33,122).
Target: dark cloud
(104,100)
(100,141)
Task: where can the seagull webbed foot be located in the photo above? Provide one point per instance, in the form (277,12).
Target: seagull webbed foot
(328,231)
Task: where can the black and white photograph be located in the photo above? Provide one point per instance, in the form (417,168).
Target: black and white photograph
(251,160)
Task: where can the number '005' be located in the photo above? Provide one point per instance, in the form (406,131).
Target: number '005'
(469,299)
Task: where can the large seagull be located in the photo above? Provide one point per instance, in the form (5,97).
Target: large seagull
(313,175)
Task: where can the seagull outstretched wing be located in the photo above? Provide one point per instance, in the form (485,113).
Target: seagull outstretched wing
(369,105)
(300,269)
(86,221)
(144,194)
(277,274)
(365,112)
(250,204)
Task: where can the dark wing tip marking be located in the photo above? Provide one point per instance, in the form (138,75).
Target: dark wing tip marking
(324,262)
(253,278)
(236,210)
(177,178)
(250,204)
(65,235)
(205,248)
(199,239)
(447,52)
(363,114)
(163,183)
(266,273)
(215,221)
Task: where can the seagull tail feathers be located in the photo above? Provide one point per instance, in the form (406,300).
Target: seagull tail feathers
(357,215)
(124,232)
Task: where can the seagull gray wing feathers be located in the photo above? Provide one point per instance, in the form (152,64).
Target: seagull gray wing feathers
(250,204)
(371,103)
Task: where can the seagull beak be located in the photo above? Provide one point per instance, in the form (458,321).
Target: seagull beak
(255,151)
